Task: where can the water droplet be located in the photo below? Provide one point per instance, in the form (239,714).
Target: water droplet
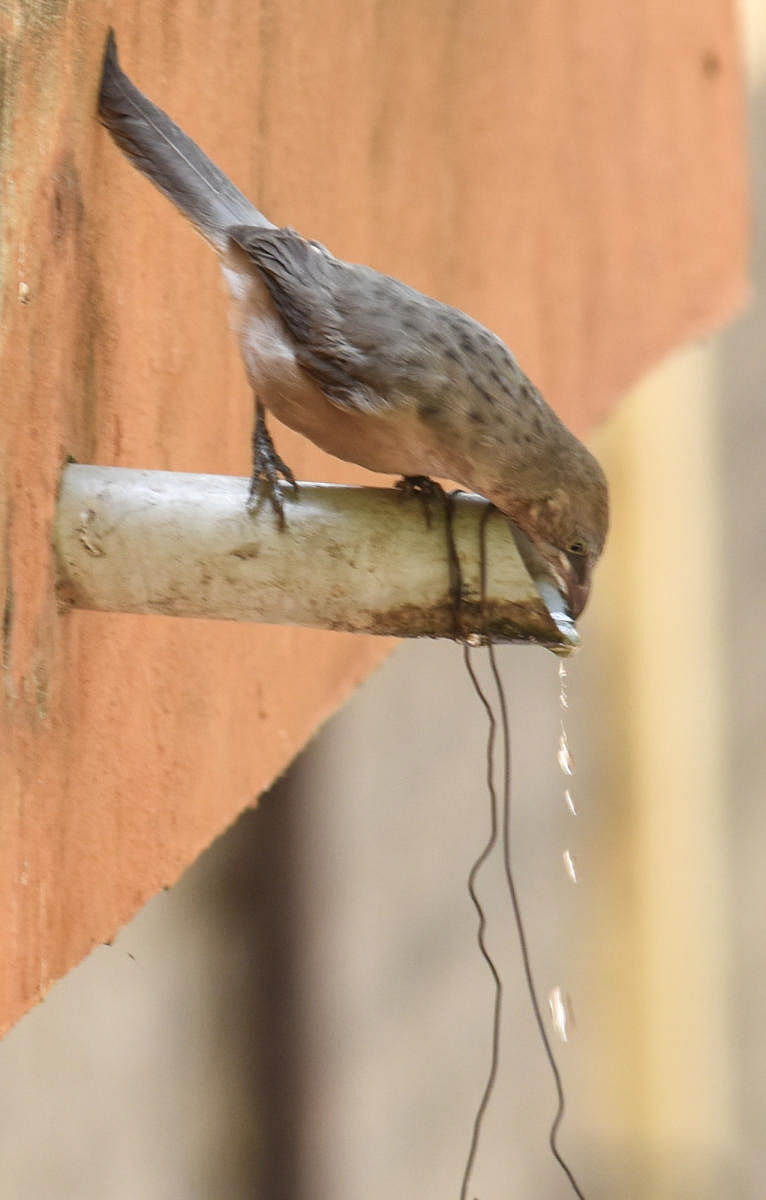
(569,798)
(571,865)
(559,1014)
(563,697)
(563,756)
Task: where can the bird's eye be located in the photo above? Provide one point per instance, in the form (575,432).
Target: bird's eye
(577,548)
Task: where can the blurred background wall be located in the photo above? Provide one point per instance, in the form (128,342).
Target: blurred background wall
(306,1013)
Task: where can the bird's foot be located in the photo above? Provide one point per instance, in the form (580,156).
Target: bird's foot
(267,468)
(425,488)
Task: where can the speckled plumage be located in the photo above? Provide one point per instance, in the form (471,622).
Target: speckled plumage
(370,369)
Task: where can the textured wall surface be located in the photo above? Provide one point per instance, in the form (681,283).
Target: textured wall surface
(571,173)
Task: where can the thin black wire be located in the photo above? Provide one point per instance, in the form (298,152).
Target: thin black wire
(456,581)
(478,864)
(456,593)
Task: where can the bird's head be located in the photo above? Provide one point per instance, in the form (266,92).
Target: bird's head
(509,445)
(565,525)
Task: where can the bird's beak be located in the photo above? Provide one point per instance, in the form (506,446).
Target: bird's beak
(577,577)
(577,595)
(551,572)
(571,577)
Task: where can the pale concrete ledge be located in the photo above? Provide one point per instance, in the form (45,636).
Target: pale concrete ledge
(359,559)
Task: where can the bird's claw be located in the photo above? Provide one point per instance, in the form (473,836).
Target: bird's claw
(267,468)
(425,488)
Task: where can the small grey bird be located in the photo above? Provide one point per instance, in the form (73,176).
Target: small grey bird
(368,368)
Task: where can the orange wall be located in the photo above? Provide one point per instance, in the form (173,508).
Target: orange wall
(572,173)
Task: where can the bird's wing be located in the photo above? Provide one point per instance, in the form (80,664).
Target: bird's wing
(348,323)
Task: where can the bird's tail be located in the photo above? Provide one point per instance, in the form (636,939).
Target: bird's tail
(169,158)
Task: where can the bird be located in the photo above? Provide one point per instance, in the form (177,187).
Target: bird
(368,368)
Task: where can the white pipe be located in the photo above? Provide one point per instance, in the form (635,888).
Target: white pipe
(351,558)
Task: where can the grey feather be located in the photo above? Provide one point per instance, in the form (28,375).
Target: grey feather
(169,158)
(369,340)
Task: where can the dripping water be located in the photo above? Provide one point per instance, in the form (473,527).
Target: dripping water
(559,1013)
(566,763)
(563,681)
(564,756)
(500,830)
(570,865)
